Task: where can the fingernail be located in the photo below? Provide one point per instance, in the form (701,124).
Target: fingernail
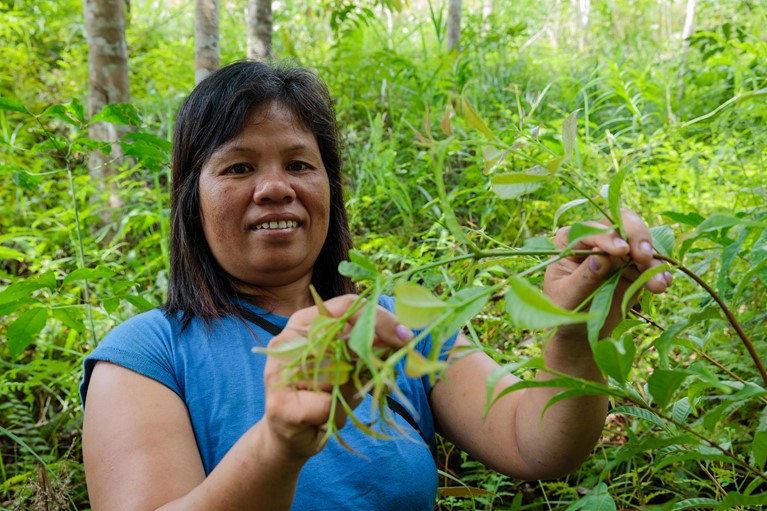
(620,243)
(646,247)
(661,279)
(594,264)
(669,277)
(404,333)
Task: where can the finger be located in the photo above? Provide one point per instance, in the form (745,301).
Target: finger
(660,282)
(389,332)
(608,241)
(639,239)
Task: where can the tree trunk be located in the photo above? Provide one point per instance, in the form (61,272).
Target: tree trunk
(207,53)
(260,29)
(584,8)
(108,83)
(687,31)
(454,25)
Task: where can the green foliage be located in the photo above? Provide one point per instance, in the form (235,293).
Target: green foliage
(460,166)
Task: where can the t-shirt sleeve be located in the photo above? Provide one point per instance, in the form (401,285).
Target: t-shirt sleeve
(142,344)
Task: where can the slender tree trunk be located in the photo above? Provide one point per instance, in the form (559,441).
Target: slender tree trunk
(260,27)
(108,83)
(687,31)
(584,8)
(207,53)
(454,25)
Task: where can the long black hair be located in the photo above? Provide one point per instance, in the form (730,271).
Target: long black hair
(214,113)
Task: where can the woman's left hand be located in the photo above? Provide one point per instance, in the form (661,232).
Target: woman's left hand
(572,280)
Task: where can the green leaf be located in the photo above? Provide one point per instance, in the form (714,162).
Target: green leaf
(615,357)
(287,350)
(718,221)
(415,306)
(13,105)
(10,253)
(539,243)
(25,288)
(21,333)
(462,307)
(600,307)
(474,120)
(358,268)
(61,113)
(566,207)
(528,308)
(644,414)
(759,448)
(614,199)
(141,303)
(633,289)
(580,230)
(691,219)
(513,184)
(120,113)
(363,331)
(570,134)
(88,274)
(663,239)
(598,499)
(663,383)
(416,365)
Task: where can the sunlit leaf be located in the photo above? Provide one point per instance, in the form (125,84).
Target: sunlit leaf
(363,331)
(119,113)
(569,134)
(288,350)
(358,268)
(10,253)
(614,199)
(61,113)
(416,365)
(415,306)
(474,119)
(566,207)
(514,184)
(463,306)
(528,308)
(635,286)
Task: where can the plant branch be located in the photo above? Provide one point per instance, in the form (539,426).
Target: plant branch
(727,312)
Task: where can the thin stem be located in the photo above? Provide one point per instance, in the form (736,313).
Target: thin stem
(727,312)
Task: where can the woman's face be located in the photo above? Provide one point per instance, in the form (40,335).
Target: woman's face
(265,201)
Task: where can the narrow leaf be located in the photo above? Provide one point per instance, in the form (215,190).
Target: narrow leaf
(12,105)
(88,274)
(474,120)
(633,289)
(10,253)
(663,239)
(513,184)
(566,207)
(416,365)
(363,331)
(614,199)
(600,308)
(642,413)
(569,134)
(528,308)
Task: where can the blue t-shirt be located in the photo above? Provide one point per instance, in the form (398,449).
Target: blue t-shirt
(215,372)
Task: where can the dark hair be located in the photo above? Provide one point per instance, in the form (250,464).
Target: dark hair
(214,113)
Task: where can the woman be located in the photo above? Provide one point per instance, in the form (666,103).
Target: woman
(180,414)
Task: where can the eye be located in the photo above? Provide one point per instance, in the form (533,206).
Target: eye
(239,168)
(297,165)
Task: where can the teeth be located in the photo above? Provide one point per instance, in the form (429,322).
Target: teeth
(282,224)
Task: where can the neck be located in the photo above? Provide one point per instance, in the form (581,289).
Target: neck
(282,300)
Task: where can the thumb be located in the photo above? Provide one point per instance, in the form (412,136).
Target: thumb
(584,280)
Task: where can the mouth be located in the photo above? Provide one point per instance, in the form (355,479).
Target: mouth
(280,224)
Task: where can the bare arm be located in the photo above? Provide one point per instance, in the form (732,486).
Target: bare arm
(140,452)
(517,438)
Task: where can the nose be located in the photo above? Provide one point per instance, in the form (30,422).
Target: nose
(273,186)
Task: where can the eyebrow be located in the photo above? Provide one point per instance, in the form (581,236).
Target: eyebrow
(223,149)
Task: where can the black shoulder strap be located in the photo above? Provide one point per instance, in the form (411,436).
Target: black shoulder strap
(393,405)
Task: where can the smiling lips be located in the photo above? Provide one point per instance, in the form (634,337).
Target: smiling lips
(282,224)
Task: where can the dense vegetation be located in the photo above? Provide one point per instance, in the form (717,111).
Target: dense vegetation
(536,123)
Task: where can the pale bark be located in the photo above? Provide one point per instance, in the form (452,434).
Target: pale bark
(584,8)
(207,52)
(454,25)
(260,27)
(108,83)
(689,26)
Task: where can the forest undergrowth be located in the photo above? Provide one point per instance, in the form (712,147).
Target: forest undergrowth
(461,166)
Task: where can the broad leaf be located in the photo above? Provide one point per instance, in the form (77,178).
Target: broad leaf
(528,308)
(363,331)
(615,357)
(119,113)
(415,306)
(416,365)
(600,307)
(663,383)
(12,105)
(21,333)
(663,239)
(569,134)
(598,499)
(88,274)
(474,120)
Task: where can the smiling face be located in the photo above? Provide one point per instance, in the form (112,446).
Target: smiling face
(264,202)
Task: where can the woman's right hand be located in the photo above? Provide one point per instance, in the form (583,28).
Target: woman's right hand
(296,412)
